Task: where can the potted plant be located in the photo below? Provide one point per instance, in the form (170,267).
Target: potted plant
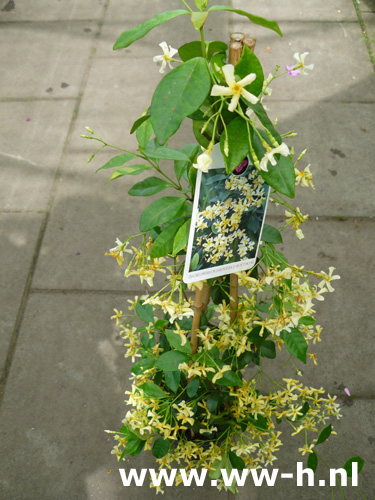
(197,398)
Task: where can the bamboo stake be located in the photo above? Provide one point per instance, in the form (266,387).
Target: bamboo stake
(206,297)
(249,42)
(235,51)
(198,302)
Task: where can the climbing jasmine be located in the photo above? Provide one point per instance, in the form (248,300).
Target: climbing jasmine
(166,57)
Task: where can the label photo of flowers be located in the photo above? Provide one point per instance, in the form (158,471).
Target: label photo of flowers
(227,220)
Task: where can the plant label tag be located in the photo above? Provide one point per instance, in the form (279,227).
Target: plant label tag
(227,220)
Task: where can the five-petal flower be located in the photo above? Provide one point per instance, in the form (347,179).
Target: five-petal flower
(269,156)
(167,56)
(235,89)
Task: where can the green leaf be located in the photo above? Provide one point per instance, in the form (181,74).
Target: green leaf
(263,118)
(268,349)
(134,446)
(142,365)
(259,423)
(179,94)
(191,151)
(271,235)
(175,341)
(266,23)
(139,122)
(192,387)
(153,390)
(161,447)
(281,176)
(249,63)
(312,461)
(181,239)
(324,435)
(131,170)
(163,245)
(238,144)
(236,461)
(348,465)
(144,133)
(198,19)
(149,186)
(194,262)
(194,49)
(118,160)
(306,320)
(138,32)
(213,401)
(172,380)
(296,344)
(161,211)
(201,4)
(144,312)
(229,379)
(169,361)
(164,153)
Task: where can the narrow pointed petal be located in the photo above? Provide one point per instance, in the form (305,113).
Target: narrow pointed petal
(228,71)
(247,80)
(249,97)
(234,102)
(218,90)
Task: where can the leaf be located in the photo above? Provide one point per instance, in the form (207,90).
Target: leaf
(164,153)
(238,144)
(194,262)
(142,365)
(144,312)
(249,63)
(179,93)
(131,170)
(194,49)
(306,320)
(138,32)
(161,447)
(266,23)
(163,245)
(134,446)
(295,343)
(263,118)
(144,133)
(213,401)
(271,235)
(161,211)
(236,461)
(259,423)
(118,160)
(229,378)
(169,361)
(281,176)
(149,186)
(198,19)
(172,380)
(139,122)
(268,349)
(181,166)
(152,390)
(176,342)
(348,465)
(312,461)
(201,4)
(192,387)
(181,239)
(324,435)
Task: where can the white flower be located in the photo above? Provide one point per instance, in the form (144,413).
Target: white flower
(235,89)
(269,156)
(166,58)
(204,160)
(301,63)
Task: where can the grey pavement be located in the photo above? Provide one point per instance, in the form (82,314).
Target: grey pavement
(63,373)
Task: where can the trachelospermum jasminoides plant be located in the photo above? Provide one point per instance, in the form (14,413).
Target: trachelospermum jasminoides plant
(210,404)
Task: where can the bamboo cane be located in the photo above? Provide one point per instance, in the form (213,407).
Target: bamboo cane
(198,302)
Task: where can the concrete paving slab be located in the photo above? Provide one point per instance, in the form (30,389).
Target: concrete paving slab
(55,10)
(355,437)
(366,5)
(338,139)
(66,386)
(344,315)
(296,10)
(369,20)
(31,148)
(19,233)
(46,59)
(342,72)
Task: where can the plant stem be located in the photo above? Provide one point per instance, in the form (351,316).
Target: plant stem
(204,51)
(186,5)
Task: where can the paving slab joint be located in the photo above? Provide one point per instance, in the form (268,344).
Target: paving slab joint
(365,35)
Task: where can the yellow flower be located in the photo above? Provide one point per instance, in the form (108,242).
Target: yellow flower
(306,449)
(218,375)
(117,316)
